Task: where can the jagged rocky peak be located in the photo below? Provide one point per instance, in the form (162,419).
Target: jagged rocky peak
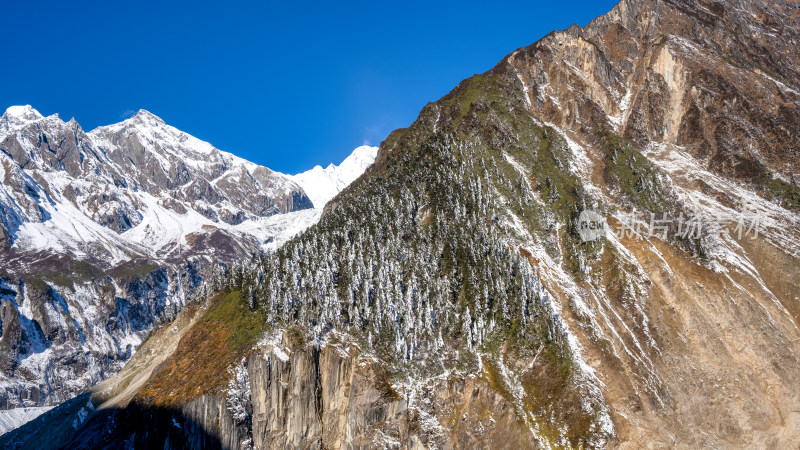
(154,130)
(159,157)
(27,121)
(107,171)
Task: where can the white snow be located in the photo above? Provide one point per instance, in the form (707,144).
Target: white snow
(16,117)
(159,231)
(23,112)
(526,92)
(14,418)
(237,394)
(580,164)
(273,342)
(321,185)
(624,111)
(83,414)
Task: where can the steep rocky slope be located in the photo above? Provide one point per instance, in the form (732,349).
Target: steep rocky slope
(695,349)
(493,279)
(107,233)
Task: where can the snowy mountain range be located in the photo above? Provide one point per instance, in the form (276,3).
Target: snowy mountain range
(105,233)
(321,185)
(139,187)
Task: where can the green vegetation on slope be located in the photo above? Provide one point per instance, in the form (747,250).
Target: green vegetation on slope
(134,270)
(414,260)
(633,174)
(72,272)
(244,325)
(200,363)
(787,194)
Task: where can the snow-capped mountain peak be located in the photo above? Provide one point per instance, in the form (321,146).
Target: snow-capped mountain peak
(321,185)
(17,117)
(150,126)
(125,178)
(354,165)
(22,112)
(144,114)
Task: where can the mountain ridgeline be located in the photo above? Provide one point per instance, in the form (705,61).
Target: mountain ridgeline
(450,297)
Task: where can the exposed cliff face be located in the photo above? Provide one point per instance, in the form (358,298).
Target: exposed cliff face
(336,397)
(719,79)
(282,394)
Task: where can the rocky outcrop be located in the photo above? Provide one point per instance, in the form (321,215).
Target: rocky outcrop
(706,75)
(11,340)
(57,341)
(324,398)
(293,395)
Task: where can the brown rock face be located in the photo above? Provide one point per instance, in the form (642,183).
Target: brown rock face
(289,395)
(332,398)
(708,358)
(720,78)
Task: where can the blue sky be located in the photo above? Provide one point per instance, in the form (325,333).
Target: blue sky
(284,84)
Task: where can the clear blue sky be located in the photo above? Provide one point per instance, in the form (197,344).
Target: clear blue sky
(284,84)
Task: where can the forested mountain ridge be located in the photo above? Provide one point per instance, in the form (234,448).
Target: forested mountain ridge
(451,296)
